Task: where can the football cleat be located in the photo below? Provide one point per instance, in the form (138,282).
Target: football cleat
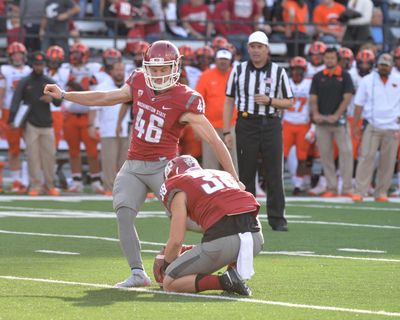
(33,192)
(97,187)
(317,190)
(77,187)
(395,193)
(357,197)
(18,187)
(232,282)
(53,192)
(139,278)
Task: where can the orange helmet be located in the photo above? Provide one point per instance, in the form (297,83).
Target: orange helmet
(111,56)
(204,57)
(79,53)
(366,55)
(298,62)
(162,53)
(219,42)
(188,54)
(365,61)
(17,47)
(346,53)
(316,50)
(205,51)
(346,57)
(187,51)
(298,67)
(136,47)
(317,47)
(55,57)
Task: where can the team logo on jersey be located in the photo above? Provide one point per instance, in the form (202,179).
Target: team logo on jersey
(140,92)
(268,80)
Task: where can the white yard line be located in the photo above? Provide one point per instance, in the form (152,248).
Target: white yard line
(360,250)
(326,206)
(345,224)
(328,256)
(58,252)
(289,253)
(211,297)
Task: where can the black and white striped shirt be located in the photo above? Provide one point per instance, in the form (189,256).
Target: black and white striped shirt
(245,81)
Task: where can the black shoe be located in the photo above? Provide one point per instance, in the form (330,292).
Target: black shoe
(232,282)
(282,227)
(296,191)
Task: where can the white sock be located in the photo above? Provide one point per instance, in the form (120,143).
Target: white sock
(322,181)
(299,182)
(307,179)
(294,180)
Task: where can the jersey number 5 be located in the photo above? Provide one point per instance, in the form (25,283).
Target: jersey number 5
(152,130)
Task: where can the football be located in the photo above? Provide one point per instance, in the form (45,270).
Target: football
(159,263)
(157,267)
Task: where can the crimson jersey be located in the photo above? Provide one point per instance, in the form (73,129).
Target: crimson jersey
(156,129)
(211,195)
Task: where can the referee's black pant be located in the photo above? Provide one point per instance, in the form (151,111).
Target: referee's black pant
(262,135)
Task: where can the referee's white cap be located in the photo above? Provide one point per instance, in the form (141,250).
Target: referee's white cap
(259,37)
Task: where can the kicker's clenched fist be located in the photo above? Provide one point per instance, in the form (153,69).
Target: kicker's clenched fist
(53,90)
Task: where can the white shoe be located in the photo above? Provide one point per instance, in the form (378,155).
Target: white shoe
(139,278)
(97,187)
(317,190)
(76,187)
(395,193)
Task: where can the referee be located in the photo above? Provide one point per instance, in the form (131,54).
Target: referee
(260,89)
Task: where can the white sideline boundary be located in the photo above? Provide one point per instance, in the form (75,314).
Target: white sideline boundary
(285,253)
(208,296)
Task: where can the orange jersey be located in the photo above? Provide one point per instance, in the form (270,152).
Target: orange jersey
(300,16)
(211,86)
(330,16)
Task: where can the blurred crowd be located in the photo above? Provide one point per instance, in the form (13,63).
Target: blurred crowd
(103,138)
(294,22)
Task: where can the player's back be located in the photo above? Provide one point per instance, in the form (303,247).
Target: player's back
(210,195)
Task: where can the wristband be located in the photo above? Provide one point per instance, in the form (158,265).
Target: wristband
(62,95)
(226,133)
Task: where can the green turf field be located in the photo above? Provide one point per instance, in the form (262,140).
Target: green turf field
(320,269)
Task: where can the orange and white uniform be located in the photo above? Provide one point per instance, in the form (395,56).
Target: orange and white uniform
(350,113)
(311,70)
(61,77)
(76,119)
(296,120)
(9,78)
